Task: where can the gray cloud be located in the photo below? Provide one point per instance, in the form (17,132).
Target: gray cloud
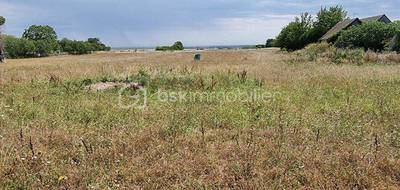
(155,22)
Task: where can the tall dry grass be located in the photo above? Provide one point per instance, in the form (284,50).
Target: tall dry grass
(325,127)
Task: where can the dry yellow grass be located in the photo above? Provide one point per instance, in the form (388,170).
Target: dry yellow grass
(266,64)
(327,127)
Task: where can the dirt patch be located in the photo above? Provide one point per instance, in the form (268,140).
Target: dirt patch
(102,86)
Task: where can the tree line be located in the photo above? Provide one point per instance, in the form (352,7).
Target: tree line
(305,30)
(41,41)
(175,47)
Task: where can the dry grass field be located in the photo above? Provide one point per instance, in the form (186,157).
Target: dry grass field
(322,126)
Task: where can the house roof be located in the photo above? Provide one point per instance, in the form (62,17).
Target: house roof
(379,18)
(339,27)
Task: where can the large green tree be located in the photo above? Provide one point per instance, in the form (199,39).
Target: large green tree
(2,20)
(19,47)
(96,45)
(44,37)
(294,35)
(325,20)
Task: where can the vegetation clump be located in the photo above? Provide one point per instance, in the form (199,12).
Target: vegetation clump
(304,30)
(177,46)
(41,41)
(370,35)
(327,53)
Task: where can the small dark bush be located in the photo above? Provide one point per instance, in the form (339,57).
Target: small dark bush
(2,20)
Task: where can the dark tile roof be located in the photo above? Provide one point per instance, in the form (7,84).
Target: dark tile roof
(381,18)
(339,27)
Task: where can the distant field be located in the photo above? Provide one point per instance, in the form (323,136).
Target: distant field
(320,126)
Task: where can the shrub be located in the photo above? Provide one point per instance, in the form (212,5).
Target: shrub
(313,51)
(382,58)
(270,43)
(294,35)
(396,46)
(75,47)
(163,48)
(44,48)
(2,20)
(19,47)
(324,52)
(370,35)
(325,20)
(351,56)
(176,46)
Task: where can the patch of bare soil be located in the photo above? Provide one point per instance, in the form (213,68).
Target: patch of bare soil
(102,86)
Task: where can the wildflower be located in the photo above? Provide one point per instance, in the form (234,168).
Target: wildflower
(62,178)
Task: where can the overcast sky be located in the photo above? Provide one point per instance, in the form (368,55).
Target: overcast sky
(123,23)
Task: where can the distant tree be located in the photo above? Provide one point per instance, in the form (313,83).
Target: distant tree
(44,36)
(163,48)
(370,35)
(82,47)
(75,47)
(270,43)
(294,35)
(2,20)
(36,32)
(96,45)
(177,46)
(19,47)
(325,20)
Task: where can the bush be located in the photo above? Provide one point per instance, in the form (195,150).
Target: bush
(294,35)
(75,47)
(304,30)
(313,51)
(396,46)
(177,46)
(2,20)
(351,56)
(324,52)
(270,43)
(370,35)
(163,48)
(82,47)
(19,47)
